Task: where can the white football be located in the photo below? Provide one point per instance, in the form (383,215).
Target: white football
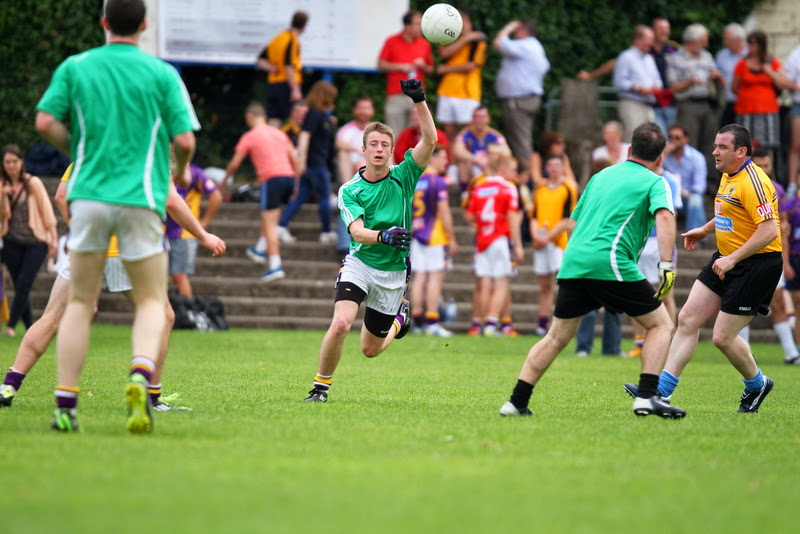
(441,24)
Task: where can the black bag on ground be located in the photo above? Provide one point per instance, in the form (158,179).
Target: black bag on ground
(213,310)
(199,313)
(246,193)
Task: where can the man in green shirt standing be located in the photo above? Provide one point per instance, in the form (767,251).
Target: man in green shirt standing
(610,225)
(125,107)
(375,206)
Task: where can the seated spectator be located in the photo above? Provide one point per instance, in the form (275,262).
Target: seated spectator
(469,148)
(350,155)
(294,125)
(182,244)
(28,224)
(549,143)
(613,148)
(757,82)
(688,166)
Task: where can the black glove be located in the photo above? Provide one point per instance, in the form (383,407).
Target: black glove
(413,89)
(666,278)
(396,237)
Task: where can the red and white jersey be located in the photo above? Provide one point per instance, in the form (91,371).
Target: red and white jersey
(490,202)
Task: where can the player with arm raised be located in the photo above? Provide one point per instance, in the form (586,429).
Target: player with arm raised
(376,208)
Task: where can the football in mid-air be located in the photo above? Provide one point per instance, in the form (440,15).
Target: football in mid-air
(441,24)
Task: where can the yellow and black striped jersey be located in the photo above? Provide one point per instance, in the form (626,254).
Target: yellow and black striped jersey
(744,200)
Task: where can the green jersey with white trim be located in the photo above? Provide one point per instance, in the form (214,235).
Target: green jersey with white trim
(613,219)
(124,107)
(381,205)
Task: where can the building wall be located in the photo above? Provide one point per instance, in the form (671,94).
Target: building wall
(781,20)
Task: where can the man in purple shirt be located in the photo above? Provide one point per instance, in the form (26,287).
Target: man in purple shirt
(182,245)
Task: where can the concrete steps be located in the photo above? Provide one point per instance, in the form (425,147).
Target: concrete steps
(304,299)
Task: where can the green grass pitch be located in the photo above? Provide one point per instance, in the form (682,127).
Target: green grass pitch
(409,442)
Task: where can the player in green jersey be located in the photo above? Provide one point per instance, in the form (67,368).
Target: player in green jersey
(610,224)
(125,107)
(375,205)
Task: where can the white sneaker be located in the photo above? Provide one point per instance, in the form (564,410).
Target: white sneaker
(581,354)
(539,331)
(328,238)
(285,236)
(437,330)
(509,409)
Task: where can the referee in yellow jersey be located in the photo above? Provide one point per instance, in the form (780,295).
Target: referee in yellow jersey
(739,280)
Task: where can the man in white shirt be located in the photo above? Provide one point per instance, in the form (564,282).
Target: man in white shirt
(636,79)
(726,59)
(519,84)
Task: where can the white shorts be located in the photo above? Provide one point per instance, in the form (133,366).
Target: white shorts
(115,277)
(384,289)
(648,261)
(495,261)
(427,258)
(547,260)
(140,230)
(781,282)
(451,110)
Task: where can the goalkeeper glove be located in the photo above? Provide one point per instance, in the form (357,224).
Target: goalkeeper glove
(413,89)
(396,237)
(666,278)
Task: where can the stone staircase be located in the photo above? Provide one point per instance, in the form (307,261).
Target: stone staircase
(304,299)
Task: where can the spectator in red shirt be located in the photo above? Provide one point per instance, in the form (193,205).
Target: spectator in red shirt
(404,56)
(409,138)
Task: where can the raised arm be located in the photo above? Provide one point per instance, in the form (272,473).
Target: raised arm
(422,152)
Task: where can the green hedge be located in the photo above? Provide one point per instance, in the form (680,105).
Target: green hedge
(578,34)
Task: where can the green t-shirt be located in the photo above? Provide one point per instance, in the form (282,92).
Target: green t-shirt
(124,108)
(613,219)
(381,205)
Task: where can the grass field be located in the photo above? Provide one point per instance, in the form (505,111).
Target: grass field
(409,442)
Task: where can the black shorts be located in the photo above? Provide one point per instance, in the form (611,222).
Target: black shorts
(377,323)
(278,104)
(579,296)
(276,192)
(747,288)
(794,283)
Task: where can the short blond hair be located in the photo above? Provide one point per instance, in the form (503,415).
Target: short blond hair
(380,128)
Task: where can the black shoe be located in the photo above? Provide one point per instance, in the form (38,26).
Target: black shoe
(655,405)
(751,400)
(317,395)
(633,391)
(404,310)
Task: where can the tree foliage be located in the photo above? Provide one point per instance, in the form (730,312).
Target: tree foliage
(576,34)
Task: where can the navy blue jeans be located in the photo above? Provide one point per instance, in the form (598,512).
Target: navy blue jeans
(612,333)
(24,263)
(315,179)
